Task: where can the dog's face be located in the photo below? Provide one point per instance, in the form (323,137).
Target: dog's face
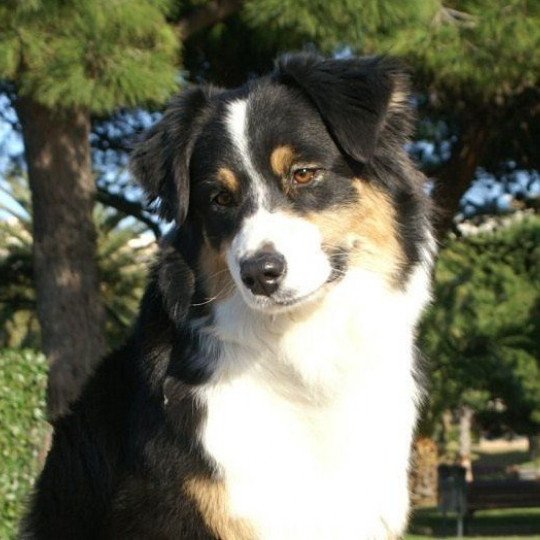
(291,180)
(264,168)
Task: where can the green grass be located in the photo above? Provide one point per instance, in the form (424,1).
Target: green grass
(496,524)
(419,537)
(502,459)
(22,431)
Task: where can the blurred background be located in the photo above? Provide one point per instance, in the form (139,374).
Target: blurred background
(80,78)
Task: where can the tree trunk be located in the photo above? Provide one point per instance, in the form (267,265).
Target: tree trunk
(534,447)
(207,15)
(70,311)
(447,421)
(465,440)
(457,175)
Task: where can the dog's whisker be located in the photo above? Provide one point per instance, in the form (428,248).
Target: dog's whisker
(226,290)
(209,301)
(218,273)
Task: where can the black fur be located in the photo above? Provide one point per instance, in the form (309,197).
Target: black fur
(161,160)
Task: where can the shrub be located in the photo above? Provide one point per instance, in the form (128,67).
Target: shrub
(23,431)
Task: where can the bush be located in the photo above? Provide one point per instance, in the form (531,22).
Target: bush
(23,431)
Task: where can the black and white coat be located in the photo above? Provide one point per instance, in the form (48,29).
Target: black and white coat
(269,389)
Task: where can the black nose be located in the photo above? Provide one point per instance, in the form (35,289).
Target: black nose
(263,272)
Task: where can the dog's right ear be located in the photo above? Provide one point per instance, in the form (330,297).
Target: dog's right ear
(160,160)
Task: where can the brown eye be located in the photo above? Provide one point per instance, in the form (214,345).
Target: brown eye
(305,175)
(223,198)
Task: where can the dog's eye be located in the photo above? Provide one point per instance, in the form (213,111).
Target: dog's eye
(305,175)
(223,198)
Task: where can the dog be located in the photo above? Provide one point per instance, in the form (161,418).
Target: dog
(270,387)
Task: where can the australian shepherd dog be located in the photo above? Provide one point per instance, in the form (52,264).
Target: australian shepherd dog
(269,389)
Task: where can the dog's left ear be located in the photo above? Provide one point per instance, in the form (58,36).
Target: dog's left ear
(160,160)
(353,95)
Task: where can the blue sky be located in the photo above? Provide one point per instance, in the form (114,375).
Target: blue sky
(10,145)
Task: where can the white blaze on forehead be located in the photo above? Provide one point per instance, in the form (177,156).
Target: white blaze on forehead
(236,122)
(298,240)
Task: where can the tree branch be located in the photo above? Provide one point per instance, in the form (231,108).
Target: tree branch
(456,176)
(130,208)
(207,15)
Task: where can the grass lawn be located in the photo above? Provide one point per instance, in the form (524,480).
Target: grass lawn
(513,459)
(496,524)
(419,537)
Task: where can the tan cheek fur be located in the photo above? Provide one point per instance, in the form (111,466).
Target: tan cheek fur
(217,278)
(211,499)
(368,227)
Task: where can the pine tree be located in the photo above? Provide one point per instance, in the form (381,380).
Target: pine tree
(481,334)
(69,59)
(480,60)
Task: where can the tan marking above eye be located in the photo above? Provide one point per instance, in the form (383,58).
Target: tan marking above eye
(281,160)
(228,179)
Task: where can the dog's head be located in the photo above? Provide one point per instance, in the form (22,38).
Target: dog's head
(292,179)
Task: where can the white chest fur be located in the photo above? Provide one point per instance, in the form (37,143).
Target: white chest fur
(311,415)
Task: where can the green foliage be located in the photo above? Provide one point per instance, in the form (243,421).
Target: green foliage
(18,319)
(104,54)
(365,27)
(23,431)
(122,260)
(98,54)
(481,334)
(248,42)
(487,50)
